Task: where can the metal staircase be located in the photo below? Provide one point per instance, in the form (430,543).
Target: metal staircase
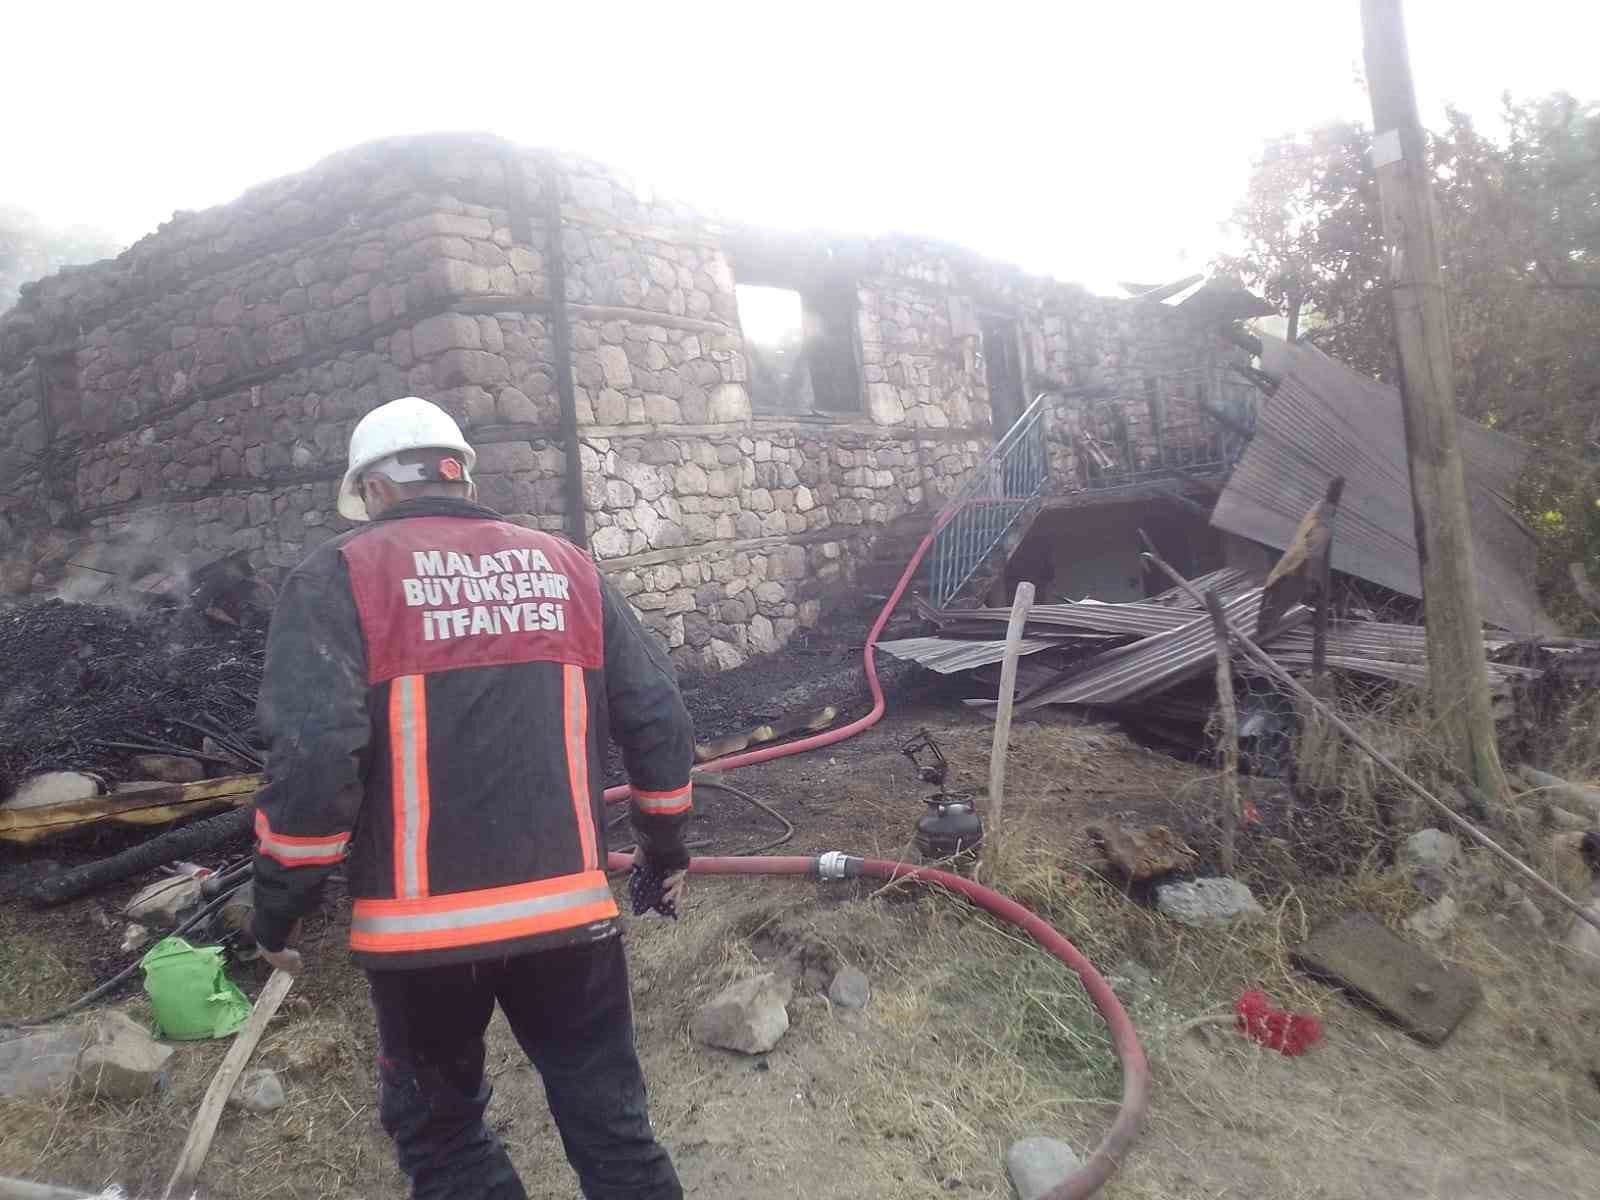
(1003,491)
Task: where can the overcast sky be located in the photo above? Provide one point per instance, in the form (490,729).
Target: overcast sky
(1096,142)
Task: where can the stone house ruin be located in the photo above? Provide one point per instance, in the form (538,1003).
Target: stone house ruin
(744,427)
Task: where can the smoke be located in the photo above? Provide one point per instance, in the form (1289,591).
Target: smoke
(106,569)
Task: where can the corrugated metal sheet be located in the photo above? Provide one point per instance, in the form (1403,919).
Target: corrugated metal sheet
(1400,671)
(1137,620)
(950,655)
(1227,582)
(1153,663)
(1326,420)
(1170,645)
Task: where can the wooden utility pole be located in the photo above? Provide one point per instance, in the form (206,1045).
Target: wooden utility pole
(1457,678)
(1002,723)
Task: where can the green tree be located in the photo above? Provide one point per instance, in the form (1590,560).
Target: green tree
(1313,244)
(1519,226)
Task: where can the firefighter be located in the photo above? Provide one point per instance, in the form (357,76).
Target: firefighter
(439,691)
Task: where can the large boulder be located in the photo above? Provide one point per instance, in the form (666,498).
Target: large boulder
(121,1061)
(748,1016)
(38,1062)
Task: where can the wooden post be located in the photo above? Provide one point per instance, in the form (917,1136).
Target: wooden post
(1228,718)
(1002,718)
(1457,678)
(198,1143)
(1322,582)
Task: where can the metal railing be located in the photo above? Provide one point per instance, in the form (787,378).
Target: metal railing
(1110,456)
(1001,489)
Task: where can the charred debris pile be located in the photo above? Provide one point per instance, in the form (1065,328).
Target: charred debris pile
(137,710)
(94,688)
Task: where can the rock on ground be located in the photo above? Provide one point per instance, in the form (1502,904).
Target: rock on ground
(1431,848)
(1037,1164)
(168,768)
(258,1091)
(37,1063)
(162,901)
(1433,921)
(1207,902)
(850,988)
(53,787)
(1144,853)
(121,1061)
(749,1016)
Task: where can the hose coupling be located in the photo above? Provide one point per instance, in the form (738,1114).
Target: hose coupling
(832,865)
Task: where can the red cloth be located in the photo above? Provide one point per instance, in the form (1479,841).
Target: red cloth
(1291,1033)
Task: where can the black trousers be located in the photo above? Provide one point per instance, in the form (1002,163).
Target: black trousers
(571,1012)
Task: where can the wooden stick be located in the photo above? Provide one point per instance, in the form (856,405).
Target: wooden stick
(205,1121)
(1260,657)
(1020,607)
(1228,712)
(24,1189)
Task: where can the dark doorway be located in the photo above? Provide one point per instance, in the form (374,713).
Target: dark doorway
(1002,370)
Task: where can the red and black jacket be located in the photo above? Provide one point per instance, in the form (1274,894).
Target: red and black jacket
(439,692)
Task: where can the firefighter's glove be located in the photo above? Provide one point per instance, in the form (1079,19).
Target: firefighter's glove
(647,886)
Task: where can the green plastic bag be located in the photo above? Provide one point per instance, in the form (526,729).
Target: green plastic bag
(191,996)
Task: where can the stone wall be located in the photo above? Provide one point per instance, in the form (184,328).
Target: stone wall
(195,395)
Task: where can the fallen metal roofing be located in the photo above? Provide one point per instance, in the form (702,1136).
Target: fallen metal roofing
(1325,420)
(1169,645)
(1151,664)
(950,655)
(1226,582)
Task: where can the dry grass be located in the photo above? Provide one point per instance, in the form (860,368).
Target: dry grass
(973,1037)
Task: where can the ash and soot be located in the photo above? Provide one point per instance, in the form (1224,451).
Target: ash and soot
(83,683)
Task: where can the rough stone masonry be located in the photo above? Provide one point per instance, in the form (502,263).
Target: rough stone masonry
(194,396)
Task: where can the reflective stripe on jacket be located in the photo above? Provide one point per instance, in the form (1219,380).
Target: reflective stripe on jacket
(439,692)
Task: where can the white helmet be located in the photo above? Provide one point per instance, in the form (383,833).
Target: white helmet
(409,423)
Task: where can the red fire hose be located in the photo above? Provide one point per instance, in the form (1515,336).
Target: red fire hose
(869,660)
(1135,1068)
(1108,1154)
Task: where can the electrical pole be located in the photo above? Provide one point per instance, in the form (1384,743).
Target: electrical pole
(1457,678)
